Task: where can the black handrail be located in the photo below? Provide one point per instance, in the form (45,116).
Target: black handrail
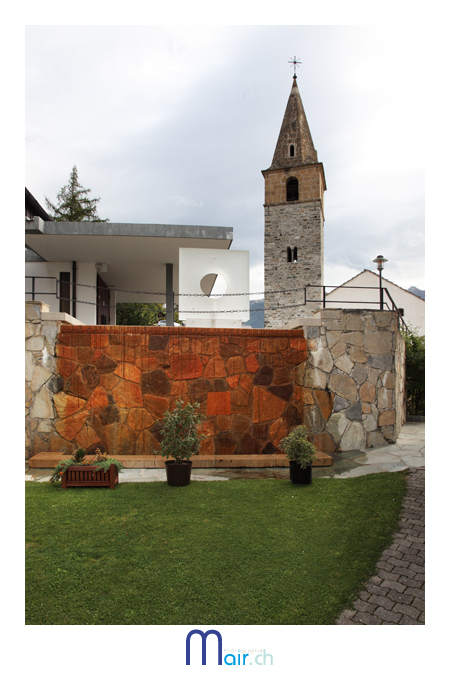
(323,301)
(326,300)
(395,309)
(34,292)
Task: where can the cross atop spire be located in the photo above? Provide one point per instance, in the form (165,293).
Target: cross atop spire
(294,63)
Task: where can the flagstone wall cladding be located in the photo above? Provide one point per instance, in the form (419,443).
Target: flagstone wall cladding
(109,386)
(358,357)
(116,383)
(40,379)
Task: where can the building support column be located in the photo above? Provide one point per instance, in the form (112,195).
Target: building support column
(74,289)
(169,295)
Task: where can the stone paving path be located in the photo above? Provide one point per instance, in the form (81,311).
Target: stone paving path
(396,594)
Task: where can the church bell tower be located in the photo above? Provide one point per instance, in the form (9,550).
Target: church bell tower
(293,220)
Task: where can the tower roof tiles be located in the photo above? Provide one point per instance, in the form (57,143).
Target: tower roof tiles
(294,132)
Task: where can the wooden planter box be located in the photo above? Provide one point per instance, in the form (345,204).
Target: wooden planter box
(86,476)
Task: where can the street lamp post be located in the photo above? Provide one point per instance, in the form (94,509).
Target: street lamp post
(380,260)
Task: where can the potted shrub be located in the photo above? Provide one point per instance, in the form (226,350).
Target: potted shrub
(180,440)
(301,454)
(79,471)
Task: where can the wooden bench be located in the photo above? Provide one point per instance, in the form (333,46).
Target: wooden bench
(48,460)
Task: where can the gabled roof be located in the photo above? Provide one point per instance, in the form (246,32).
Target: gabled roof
(294,131)
(375,275)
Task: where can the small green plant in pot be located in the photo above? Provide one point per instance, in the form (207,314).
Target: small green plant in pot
(180,440)
(301,453)
(82,466)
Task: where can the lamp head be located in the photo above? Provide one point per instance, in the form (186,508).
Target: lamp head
(380,260)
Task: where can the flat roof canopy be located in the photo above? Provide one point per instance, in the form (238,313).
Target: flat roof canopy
(136,254)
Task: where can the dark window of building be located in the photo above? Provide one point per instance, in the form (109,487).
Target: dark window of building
(103,303)
(292,190)
(291,151)
(291,254)
(64,292)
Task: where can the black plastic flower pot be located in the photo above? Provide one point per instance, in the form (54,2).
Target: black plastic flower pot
(178,473)
(299,476)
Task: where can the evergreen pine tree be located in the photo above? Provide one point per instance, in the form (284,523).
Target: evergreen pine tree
(73,203)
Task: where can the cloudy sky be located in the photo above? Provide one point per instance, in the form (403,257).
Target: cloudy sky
(174,125)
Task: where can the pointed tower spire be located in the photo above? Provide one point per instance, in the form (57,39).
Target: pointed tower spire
(293,220)
(295,146)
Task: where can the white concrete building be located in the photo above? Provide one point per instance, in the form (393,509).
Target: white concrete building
(227,305)
(362,292)
(85,268)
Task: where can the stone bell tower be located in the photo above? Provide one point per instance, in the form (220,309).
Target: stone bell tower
(293,220)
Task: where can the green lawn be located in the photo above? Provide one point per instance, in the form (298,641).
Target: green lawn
(231,552)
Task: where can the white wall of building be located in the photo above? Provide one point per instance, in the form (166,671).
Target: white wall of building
(227,311)
(348,296)
(86,274)
(112,309)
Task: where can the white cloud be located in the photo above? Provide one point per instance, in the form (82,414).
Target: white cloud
(257,280)
(174,124)
(187,201)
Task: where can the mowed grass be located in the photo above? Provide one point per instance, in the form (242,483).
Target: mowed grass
(231,552)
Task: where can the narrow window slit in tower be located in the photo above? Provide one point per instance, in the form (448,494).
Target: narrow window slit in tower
(292,190)
(289,254)
(291,151)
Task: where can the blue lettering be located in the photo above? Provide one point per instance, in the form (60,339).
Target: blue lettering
(271,658)
(204,636)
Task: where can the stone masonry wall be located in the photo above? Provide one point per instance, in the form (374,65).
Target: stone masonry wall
(40,367)
(116,382)
(311,183)
(400,383)
(292,224)
(109,386)
(358,356)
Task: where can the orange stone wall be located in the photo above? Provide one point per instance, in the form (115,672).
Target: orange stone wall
(109,386)
(116,382)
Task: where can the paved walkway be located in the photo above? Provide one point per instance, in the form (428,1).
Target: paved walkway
(396,594)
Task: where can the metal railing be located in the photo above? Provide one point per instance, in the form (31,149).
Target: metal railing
(323,299)
(35,292)
(381,302)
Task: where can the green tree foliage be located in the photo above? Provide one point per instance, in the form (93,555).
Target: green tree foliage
(141,313)
(415,373)
(180,435)
(138,313)
(298,448)
(73,203)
